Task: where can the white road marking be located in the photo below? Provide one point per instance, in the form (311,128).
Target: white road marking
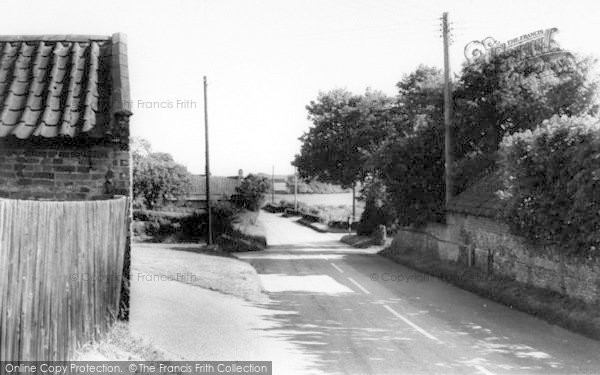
(419,329)
(359,286)
(483,370)
(309,283)
(324,257)
(337,268)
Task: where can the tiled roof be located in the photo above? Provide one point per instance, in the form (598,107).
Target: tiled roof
(479,199)
(55,85)
(219,186)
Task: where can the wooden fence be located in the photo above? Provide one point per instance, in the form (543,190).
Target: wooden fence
(60,274)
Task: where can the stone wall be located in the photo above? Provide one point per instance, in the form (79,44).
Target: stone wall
(488,245)
(63,170)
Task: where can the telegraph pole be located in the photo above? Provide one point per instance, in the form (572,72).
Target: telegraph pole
(295,189)
(447,110)
(208,205)
(273,185)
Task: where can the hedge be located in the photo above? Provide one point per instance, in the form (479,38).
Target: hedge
(552,183)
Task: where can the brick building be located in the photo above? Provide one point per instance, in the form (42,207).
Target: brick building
(64,121)
(64,117)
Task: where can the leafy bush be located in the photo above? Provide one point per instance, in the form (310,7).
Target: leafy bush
(378,208)
(251,192)
(150,215)
(552,183)
(413,173)
(508,94)
(189,225)
(195,224)
(274,208)
(157,177)
(224,214)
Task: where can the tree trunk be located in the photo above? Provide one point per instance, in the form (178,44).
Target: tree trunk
(353,202)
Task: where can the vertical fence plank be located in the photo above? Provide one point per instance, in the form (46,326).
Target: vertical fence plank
(4,255)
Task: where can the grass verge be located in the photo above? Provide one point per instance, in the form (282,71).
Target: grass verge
(247,226)
(571,313)
(197,265)
(120,345)
(361,242)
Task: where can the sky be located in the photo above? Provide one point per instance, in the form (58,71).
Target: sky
(265,60)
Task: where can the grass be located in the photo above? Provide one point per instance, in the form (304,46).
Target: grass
(327,213)
(333,213)
(360,242)
(248,226)
(197,265)
(555,308)
(120,345)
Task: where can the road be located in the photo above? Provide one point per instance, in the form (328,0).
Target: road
(351,311)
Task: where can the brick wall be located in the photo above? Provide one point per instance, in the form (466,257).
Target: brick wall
(487,244)
(62,170)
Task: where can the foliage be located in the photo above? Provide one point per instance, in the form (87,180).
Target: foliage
(401,142)
(188,225)
(251,192)
(509,94)
(157,177)
(378,207)
(195,224)
(414,175)
(347,128)
(411,164)
(224,214)
(491,99)
(313,186)
(552,183)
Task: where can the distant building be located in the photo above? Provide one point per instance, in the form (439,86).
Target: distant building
(221,189)
(280,186)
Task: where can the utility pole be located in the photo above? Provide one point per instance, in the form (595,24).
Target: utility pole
(208,205)
(273,185)
(295,189)
(447,110)
(353,201)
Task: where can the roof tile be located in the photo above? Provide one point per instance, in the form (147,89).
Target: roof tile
(479,199)
(50,85)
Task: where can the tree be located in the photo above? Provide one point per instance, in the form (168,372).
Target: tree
(140,147)
(347,129)
(510,94)
(251,192)
(156,176)
(410,163)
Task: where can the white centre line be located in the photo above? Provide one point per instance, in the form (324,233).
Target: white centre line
(419,329)
(337,268)
(358,285)
(483,370)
